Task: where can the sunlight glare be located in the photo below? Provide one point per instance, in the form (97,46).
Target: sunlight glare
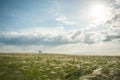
(97,11)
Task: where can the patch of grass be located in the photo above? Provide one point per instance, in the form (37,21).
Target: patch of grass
(58,67)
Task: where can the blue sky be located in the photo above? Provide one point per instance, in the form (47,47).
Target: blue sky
(60,25)
(25,13)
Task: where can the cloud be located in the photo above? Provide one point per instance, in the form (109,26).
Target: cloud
(65,20)
(111,18)
(110,37)
(93,37)
(111,27)
(117,1)
(54,36)
(115,19)
(97,37)
(59,36)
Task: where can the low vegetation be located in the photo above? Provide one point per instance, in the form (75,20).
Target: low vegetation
(58,67)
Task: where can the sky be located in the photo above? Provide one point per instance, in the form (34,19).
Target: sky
(60,26)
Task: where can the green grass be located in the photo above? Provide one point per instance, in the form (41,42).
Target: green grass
(58,67)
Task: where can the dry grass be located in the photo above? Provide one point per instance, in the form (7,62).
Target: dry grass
(58,67)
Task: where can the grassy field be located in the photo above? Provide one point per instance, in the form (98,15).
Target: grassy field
(58,67)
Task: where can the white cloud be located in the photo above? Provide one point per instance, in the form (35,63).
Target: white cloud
(56,36)
(117,1)
(65,20)
(41,36)
(114,20)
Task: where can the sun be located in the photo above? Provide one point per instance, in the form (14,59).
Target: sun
(99,13)
(98,10)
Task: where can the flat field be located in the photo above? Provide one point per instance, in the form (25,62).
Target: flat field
(58,67)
